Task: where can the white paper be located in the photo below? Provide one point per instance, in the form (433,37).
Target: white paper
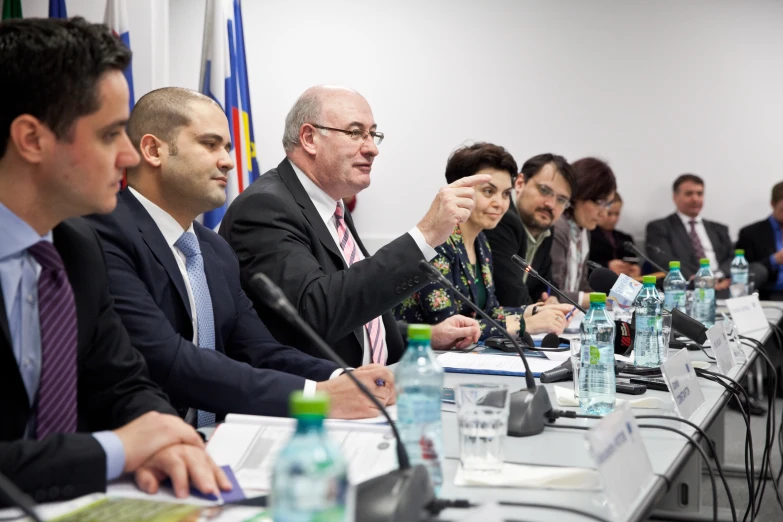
(721,347)
(565,398)
(680,375)
(747,313)
(525,476)
(478,363)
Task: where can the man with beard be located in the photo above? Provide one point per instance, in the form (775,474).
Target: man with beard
(543,191)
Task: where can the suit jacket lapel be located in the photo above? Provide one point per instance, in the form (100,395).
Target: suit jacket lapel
(685,240)
(157,244)
(714,238)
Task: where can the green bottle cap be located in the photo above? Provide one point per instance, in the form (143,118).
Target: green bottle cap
(317,404)
(649,279)
(739,252)
(597,297)
(419,332)
(704,262)
(674,264)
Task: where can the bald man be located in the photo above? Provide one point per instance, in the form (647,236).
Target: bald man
(291,225)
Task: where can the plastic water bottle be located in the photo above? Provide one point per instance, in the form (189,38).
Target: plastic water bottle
(647,340)
(704,295)
(739,272)
(597,384)
(419,382)
(310,480)
(674,287)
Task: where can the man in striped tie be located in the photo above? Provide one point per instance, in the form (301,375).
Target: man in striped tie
(78,407)
(292,225)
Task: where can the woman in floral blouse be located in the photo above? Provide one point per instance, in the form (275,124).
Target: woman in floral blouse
(465,258)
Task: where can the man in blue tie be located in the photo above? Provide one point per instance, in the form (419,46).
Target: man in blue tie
(78,407)
(177,286)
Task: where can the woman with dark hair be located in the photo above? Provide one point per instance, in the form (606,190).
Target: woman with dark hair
(607,244)
(465,258)
(594,195)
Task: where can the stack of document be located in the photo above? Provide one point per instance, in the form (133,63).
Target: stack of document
(488,364)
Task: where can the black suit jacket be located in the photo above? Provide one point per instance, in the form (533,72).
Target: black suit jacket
(274,228)
(248,372)
(113,385)
(601,250)
(505,240)
(758,241)
(668,240)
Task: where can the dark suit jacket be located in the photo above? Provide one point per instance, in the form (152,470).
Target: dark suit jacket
(674,244)
(113,384)
(248,372)
(758,241)
(505,240)
(274,228)
(601,250)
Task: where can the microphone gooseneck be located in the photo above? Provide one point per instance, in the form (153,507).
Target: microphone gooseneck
(630,245)
(524,265)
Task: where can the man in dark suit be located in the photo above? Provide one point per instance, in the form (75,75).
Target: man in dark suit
(763,244)
(291,225)
(686,237)
(202,340)
(78,406)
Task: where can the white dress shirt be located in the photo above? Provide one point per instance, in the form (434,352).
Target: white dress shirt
(325,205)
(706,244)
(172,231)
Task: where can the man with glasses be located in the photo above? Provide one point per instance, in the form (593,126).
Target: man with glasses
(291,225)
(543,191)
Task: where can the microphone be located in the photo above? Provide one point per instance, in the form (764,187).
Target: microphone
(375,502)
(592,265)
(532,271)
(528,408)
(629,245)
(603,280)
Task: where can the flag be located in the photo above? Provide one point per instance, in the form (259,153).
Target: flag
(57,9)
(116,17)
(224,79)
(12,9)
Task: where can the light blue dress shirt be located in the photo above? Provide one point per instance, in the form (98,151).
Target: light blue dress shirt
(19,273)
(778,245)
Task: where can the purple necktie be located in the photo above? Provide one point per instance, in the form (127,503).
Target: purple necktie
(57,315)
(698,248)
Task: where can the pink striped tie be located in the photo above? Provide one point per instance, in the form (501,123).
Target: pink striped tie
(352,254)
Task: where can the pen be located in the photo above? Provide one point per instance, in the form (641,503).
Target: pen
(380,382)
(569,314)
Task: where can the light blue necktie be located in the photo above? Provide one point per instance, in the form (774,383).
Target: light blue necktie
(188,245)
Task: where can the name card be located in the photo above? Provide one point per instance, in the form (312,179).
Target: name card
(616,446)
(721,346)
(747,313)
(680,376)
(624,291)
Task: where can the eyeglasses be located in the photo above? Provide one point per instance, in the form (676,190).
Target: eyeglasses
(604,203)
(547,192)
(355,134)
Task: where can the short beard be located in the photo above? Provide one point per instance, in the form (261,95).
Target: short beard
(533,225)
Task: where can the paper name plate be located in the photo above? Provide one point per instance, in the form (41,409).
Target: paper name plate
(488,364)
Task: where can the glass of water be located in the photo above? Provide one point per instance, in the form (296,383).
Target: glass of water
(576,355)
(666,330)
(482,412)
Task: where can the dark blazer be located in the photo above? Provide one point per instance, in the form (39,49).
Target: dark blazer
(113,384)
(758,241)
(668,240)
(505,240)
(248,372)
(436,302)
(602,251)
(274,228)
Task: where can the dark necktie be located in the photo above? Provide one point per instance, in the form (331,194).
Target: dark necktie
(57,315)
(698,249)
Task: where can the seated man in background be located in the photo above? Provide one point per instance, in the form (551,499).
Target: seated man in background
(543,191)
(763,244)
(292,225)
(78,406)
(176,283)
(465,258)
(687,237)
(607,244)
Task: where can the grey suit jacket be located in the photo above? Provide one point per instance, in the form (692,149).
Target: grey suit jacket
(559,253)
(668,240)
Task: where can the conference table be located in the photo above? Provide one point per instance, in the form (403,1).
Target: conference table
(674,460)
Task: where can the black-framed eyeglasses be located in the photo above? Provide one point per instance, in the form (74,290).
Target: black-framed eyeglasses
(355,134)
(547,192)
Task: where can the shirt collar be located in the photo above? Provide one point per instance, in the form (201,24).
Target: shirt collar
(17,235)
(324,204)
(167,225)
(772,221)
(541,237)
(686,220)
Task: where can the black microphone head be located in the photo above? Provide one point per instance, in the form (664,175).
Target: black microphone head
(602,280)
(432,273)
(527,339)
(592,265)
(520,261)
(760,274)
(270,292)
(550,340)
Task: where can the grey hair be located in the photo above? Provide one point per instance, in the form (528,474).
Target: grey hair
(307,109)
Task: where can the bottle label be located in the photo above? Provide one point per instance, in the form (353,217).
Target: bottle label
(595,355)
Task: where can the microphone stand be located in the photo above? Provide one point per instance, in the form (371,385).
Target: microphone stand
(398,496)
(631,246)
(529,408)
(532,271)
